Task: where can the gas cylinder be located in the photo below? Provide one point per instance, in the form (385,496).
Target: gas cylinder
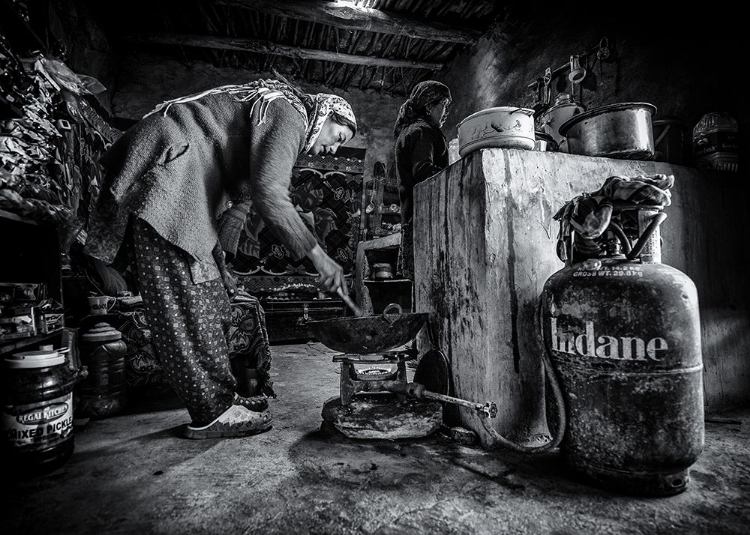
(623,334)
(104,392)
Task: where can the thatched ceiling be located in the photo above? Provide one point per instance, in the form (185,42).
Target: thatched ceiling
(382,45)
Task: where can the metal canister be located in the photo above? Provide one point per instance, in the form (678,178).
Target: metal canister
(36,422)
(382,271)
(563,109)
(104,391)
(624,336)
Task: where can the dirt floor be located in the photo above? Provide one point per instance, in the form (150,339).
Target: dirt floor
(134,473)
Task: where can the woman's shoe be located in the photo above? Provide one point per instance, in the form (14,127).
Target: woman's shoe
(236,421)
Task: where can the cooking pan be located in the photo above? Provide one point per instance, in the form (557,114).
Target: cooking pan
(369,334)
(621,131)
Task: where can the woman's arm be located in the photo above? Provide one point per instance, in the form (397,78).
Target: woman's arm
(274,148)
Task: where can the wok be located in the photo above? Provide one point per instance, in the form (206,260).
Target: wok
(369,334)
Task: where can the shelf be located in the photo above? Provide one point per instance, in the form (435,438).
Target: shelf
(387,281)
(12,345)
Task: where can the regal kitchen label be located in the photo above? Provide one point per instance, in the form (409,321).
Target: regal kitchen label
(592,343)
(37,426)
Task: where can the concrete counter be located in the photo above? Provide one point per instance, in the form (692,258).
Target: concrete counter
(485,242)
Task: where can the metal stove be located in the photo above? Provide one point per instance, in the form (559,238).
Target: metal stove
(377,379)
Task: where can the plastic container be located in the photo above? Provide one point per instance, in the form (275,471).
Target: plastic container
(36,421)
(716,142)
(104,391)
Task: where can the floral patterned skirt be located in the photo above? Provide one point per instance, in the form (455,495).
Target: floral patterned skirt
(189,324)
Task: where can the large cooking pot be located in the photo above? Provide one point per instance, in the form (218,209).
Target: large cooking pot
(621,131)
(501,127)
(369,334)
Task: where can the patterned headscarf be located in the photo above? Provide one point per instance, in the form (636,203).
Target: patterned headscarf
(323,105)
(315,109)
(424,95)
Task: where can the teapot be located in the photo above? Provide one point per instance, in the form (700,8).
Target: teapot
(563,109)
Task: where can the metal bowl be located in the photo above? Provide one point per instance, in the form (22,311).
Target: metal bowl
(368,334)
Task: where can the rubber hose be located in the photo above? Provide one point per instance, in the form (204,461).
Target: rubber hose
(624,241)
(650,229)
(557,395)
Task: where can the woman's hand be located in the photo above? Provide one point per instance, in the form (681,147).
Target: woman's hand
(230,282)
(331,276)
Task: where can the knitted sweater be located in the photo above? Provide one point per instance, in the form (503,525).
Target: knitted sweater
(421,151)
(177,172)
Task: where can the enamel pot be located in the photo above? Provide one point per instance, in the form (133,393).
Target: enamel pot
(622,131)
(502,127)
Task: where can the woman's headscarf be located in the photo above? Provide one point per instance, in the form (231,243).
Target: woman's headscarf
(424,95)
(323,105)
(315,109)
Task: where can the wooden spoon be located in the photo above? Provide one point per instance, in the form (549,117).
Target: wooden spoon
(358,312)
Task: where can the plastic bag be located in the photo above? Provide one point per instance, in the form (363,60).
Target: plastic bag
(61,75)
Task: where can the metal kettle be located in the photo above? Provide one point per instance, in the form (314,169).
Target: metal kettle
(563,109)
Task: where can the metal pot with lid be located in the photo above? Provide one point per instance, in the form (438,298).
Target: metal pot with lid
(622,131)
(505,127)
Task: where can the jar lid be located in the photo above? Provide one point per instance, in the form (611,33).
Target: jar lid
(35,359)
(381,266)
(102,332)
(717,121)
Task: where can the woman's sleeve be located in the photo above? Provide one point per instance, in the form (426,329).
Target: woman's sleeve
(274,146)
(424,153)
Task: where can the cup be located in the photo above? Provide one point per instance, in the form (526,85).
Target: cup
(101,304)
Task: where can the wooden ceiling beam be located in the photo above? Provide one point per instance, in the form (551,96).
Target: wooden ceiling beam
(351,17)
(268,47)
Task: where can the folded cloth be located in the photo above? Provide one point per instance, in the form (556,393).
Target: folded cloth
(231,223)
(590,214)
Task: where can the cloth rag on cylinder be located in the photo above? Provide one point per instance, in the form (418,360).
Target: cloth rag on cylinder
(590,214)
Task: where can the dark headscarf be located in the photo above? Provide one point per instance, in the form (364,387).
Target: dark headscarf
(423,96)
